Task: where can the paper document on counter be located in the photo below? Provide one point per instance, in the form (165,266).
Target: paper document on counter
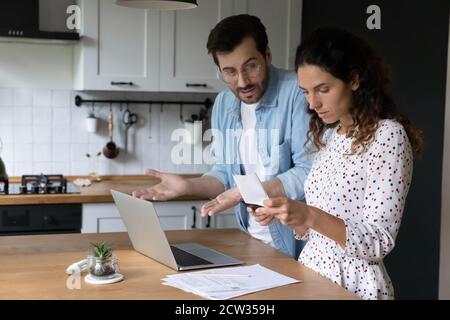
(227,283)
(251,189)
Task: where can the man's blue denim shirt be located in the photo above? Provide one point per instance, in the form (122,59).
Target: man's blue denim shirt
(281,124)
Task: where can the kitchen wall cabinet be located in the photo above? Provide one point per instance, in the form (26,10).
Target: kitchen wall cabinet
(119,49)
(185,64)
(175,215)
(142,50)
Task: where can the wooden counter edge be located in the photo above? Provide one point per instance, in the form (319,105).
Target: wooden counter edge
(8,200)
(113,177)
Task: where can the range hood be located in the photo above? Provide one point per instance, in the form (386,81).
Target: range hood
(20,19)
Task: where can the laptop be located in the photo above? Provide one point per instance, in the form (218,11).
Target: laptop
(147,236)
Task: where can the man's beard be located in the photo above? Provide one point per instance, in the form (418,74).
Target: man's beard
(264,85)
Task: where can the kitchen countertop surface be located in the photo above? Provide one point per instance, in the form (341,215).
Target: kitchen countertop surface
(33,267)
(97,192)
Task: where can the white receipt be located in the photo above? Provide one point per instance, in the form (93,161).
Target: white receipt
(251,189)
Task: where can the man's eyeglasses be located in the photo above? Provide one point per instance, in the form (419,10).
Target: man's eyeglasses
(250,70)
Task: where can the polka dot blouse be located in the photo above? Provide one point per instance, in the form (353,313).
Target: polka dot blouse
(368,193)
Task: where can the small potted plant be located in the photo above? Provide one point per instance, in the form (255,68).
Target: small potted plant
(102,262)
(91,122)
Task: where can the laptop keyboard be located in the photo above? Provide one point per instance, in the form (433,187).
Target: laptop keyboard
(186,259)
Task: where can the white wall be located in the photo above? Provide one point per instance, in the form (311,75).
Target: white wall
(41,63)
(31,65)
(444,269)
(44,132)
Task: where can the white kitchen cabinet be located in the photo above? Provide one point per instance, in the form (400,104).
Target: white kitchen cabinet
(119,48)
(224,220)
(144,50)
(101,217)
(174,215)
(185,63)
(183,215)
(221,220)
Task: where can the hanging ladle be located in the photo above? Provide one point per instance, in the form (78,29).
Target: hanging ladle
(110,151)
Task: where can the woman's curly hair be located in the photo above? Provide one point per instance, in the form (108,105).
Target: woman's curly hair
(348,57)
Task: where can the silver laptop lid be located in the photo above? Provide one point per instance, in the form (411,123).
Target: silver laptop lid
(144,229)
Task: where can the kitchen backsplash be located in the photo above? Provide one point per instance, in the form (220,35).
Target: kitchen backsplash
(44,132)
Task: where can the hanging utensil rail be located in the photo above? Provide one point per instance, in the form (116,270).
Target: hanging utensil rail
(79,101)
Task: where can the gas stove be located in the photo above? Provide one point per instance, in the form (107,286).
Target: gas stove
(39,184)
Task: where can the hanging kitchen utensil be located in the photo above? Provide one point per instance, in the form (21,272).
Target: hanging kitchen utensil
(110,151)
(128,120)
(91,121)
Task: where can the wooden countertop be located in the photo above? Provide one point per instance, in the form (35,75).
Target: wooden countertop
(98,192)
(33,267)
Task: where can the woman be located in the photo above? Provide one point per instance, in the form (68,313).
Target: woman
(356,189)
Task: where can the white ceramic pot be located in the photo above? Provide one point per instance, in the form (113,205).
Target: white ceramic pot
(91,124)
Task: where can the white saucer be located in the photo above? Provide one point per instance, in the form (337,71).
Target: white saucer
(107,280)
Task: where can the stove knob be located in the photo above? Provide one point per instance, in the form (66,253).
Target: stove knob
(59,189)
(35,189)
(23,189)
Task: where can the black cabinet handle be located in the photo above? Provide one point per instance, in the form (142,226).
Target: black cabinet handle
(208,224)
(196,85)
(194,217)
(119,83)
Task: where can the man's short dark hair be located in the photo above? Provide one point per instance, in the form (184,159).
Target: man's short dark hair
(231,31)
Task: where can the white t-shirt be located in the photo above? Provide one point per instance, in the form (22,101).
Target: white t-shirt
(252,163)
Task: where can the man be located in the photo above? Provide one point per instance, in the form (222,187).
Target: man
(259,126)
